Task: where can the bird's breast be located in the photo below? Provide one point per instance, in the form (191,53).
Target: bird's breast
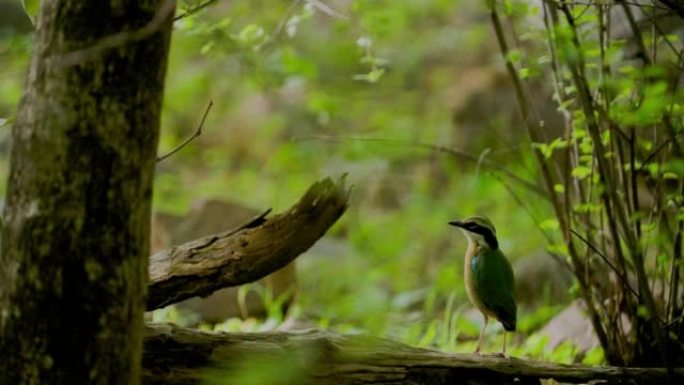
(474,297)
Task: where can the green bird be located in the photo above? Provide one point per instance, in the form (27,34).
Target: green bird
(489,278)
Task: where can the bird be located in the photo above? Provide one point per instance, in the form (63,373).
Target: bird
(489,279)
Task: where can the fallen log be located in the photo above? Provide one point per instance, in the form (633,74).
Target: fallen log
(178,356)
(248,253)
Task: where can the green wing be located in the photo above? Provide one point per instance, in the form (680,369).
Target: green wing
(495,285)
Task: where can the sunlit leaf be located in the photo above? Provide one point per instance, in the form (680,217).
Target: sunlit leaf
(581,172)
(549,224)
(594,356)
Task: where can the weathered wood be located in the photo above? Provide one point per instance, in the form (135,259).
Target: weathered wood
(178,356)
(247,253)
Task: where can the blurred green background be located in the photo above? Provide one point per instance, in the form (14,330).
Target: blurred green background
(304,90)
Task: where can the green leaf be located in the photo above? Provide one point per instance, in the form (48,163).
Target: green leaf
(594,356)
(558,249)
(508,6)
(514,56)
(251,35)
(548,149)
(581,172)
(586,208)
(296,65)
(675,166)
(550,224)
(544,148)
(605,137)
(579,133)
(563,353)
(371,77)
(207,47)
(586,146)
(642,311)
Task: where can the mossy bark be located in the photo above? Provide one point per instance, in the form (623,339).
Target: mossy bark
(178,356)
(73,268)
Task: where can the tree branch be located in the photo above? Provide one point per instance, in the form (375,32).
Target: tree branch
(460,154)
(193,10)
(676,6)
(247,253)
(189,139)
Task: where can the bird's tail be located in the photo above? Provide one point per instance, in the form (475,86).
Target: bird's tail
(509,326)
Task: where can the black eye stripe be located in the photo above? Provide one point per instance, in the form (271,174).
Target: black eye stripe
(474,227)
(486,232)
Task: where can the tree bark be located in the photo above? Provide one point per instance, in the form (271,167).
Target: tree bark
(177,356)
(73,267)
(247,253)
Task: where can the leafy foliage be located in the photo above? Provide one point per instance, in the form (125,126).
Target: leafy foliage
(617,211)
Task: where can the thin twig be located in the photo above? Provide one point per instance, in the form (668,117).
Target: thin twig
(609,3)
(675,270)
(447,150)
(643,55)
(193,10)
(523,103)
(611,201)
(674,6)
(197,133)
(284,19)
(666,39)
(606,260)
(562,262)
(655,152)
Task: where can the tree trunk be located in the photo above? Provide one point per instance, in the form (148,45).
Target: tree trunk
(73,268)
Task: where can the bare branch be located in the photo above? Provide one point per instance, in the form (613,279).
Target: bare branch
(476,159)
(193,10)
(676,6)
(197,133)
(607,261)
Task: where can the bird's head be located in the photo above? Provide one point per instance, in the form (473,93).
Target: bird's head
(479,230)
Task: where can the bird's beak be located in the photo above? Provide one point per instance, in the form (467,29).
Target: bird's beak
(457,223)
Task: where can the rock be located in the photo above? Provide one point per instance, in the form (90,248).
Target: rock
(572,324)
(540,279)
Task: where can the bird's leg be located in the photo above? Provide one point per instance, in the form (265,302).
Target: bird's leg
(479,342)
(503,350)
